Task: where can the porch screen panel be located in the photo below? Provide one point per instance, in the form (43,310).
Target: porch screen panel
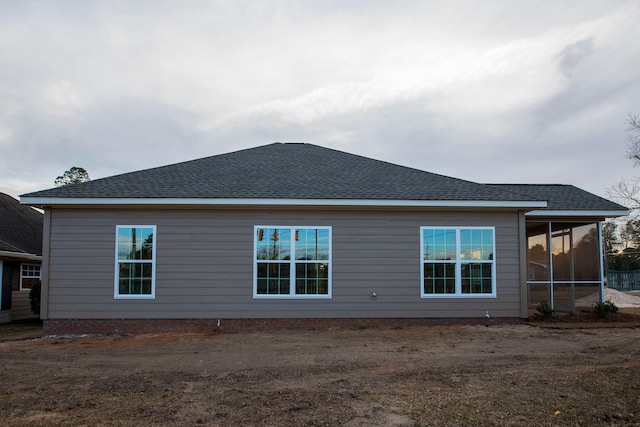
(585,253)
(538,252)
(561,254)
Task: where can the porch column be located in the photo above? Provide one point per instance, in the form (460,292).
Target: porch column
(601,252)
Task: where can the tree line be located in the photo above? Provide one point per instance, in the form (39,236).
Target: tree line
(621,237)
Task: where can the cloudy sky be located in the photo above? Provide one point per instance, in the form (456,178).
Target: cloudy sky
(489,91)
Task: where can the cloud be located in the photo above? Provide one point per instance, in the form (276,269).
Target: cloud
(572,55)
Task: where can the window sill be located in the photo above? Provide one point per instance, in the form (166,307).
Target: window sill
(457,296)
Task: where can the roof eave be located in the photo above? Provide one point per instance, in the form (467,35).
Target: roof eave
(77,201)
(20,255)
(578,213)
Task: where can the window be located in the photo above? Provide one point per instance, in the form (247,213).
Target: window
(292,262)
(29,275)
(135,261)
(457,262)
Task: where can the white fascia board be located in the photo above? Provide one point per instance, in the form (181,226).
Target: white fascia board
(569,213)
(20,255)
(53,201)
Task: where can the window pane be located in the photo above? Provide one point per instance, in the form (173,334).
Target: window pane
(135,278)
(124,243)
(30,270)
(323,244)
(476,244)
(146,271)
(312,244)
(312,278)
(439,244)
(146,286)
(135,286)
(273,244)
(125,274)
(144,245)
(29,282)
(135,243)
(123,287)
(273,278)
(439,278)
(476,278)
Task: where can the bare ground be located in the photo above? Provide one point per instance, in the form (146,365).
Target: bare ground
(541,373)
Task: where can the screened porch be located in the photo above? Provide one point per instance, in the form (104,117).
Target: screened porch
(564,264)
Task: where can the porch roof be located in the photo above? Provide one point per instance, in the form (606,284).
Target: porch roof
(567,201)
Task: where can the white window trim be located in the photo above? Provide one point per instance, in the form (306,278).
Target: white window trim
(292,262)
(458,264)
(22,276)
(116,288)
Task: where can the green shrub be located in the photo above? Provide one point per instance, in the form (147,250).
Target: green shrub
(604,309)
(34,298)
(545,310)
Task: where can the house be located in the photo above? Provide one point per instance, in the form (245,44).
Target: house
(298,234)
(20,257)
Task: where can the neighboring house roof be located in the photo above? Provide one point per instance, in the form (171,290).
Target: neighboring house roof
(566,200)
(284,173)
(20,228)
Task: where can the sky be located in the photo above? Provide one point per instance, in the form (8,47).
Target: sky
(487,91)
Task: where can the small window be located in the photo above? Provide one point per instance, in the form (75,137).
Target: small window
(29,276)
(292,262)
(135,261)
(457,262)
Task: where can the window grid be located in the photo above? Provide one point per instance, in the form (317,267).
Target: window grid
(29,276)
(135,261)
(306,274)
(466,271)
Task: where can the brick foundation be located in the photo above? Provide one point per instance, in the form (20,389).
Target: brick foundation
(61,327)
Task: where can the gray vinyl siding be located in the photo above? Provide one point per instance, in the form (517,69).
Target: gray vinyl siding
(204,264)
(21,306)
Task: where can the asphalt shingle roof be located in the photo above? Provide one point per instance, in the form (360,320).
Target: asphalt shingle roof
(562,197)
(285,171)
(20,227)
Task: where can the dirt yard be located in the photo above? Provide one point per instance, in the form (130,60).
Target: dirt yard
(530,374)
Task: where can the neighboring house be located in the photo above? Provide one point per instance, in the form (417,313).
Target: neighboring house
(20,257)
(288,234)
